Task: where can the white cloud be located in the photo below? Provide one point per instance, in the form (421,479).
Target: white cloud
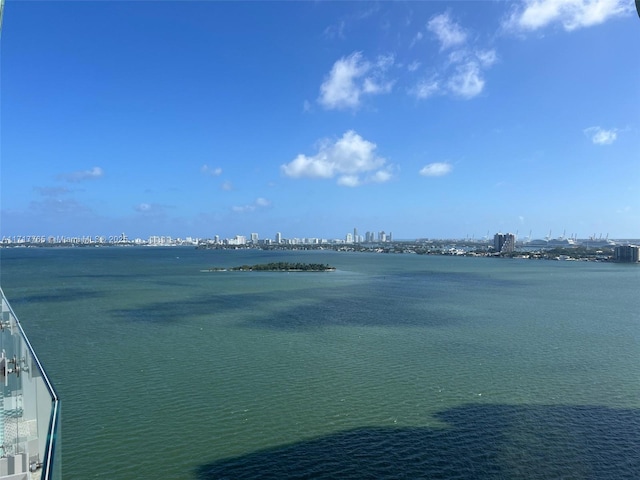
(436,169)
(227,186)
(351,158)
(349,181)
(426,88)
(259,203)
(151,209)
(463,67)
(353,76)
(448,32)
(600,136)
(467,81)
(80,176)
(319,166)
(214,172)
(340,89)
(384,62)
(571,14)
(416,39)
(370,86)
(143,207)
(486,57)
(381,176)
(243,208)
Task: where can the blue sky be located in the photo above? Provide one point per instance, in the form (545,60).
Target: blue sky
(426,119)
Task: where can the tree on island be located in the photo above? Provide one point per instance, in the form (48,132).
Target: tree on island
(279,267)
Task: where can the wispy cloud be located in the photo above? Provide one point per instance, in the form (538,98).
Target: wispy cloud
(53,206)
(335,31)
(351,159)
(352,77)
(227,186)
(426,88)
(52,191)
(571,14)
(259,203)
(486,57)
(463,65)
(207,170)
(467,81)
(462,76)
(151,209)
(448,32)
(437,169)
(416,39)
(338,30)
(82,175)
(601,136)
(413,66)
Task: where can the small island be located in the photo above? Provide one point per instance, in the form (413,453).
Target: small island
(277,267)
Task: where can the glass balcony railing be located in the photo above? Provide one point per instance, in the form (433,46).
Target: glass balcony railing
(29,408)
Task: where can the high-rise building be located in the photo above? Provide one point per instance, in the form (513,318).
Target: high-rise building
(254,238)
(278,237)
(627,254)
(238,240)
(504,242)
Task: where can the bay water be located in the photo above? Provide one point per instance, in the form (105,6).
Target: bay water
(392,366)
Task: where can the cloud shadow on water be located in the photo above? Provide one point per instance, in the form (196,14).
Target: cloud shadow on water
(308,310)
(372,300)
(56,295)
(479,442)
(423,299)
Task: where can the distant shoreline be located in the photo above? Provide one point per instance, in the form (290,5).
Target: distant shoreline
(421,247)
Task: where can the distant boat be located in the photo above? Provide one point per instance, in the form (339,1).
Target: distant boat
(562,242)
(552,242)
(538,242)
(598,242)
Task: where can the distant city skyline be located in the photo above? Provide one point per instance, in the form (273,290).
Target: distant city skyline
(498,239)
(425,119)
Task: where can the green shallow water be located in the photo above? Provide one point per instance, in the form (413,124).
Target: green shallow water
(394,366)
